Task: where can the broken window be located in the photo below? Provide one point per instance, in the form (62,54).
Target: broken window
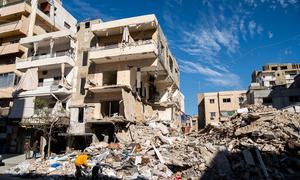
(110,108)
(212,115)
(7,80)
(171,64)
(87,25)
(267,100)
(212,101)
(82,84)
(241,99)
(283,67)
(294,99)
(84,58)
(109,78)
(272,83)
(226,100)
(41,81)
(67,25)
(80,114)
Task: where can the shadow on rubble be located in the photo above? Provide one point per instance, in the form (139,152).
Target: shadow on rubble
(253,164)
(249,163)
(50,177)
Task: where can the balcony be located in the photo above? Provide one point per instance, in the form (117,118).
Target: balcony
(16,7)
(124,52)
(45,89)
(48,61)
(44,117)
(14,28)
(11,49)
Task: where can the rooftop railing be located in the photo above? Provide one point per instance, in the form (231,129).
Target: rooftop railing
(45,56)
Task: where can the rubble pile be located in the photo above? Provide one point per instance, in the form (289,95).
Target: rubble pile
(261,143)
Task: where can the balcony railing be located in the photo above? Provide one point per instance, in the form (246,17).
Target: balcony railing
(123,45)
(39,57)
(15,2)
(49,84)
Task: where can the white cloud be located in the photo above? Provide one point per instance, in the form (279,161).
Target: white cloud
(273,4)
(270,35)
(87,9)
(217,75)
(287,52)
(252,27)
(260,29)
(208,41)
(243,29)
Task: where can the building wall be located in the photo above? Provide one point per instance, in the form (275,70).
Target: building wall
(211,106)
(276,74)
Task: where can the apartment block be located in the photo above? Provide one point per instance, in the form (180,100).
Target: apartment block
(215,107)
(279,97)
(276,74)
(21,19)
(126,74)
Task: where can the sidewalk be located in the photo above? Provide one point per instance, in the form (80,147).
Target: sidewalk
(11,161)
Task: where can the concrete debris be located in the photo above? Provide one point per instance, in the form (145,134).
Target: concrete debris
(260,143)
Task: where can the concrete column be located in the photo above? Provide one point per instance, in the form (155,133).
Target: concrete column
(147,90)
(52,13)
(32,17)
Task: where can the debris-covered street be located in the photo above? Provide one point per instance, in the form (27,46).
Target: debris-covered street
(260,144)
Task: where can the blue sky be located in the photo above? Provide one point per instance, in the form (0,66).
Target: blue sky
(217,43)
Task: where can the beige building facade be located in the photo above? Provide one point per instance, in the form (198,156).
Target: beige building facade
(96,76)
(276,74)
(216,107)
(126,73)
(27,19)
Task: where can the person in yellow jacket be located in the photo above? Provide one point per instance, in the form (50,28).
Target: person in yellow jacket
(80,163)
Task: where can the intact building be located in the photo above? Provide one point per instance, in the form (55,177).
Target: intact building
(216,107)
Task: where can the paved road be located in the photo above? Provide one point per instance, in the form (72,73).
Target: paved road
(10,160)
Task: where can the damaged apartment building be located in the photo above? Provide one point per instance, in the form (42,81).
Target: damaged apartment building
(126,73)
(24,62)
(275,85)
(93,77)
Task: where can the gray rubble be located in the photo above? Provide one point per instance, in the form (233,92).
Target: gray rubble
(260,143)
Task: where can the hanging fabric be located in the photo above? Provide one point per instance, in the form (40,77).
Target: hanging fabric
(126,38)
(29,80)
(51,47)
(35,48)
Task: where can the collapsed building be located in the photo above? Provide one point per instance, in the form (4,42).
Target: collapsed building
(126,73)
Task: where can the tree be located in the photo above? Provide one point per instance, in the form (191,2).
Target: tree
(48,120)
